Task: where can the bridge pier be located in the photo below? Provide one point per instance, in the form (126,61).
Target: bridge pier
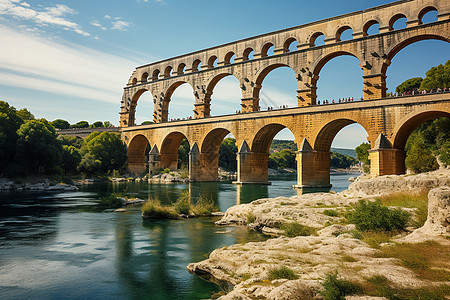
(154,160)
(252,167)
(169,161)
(313,167)
(384,160)
(203,166)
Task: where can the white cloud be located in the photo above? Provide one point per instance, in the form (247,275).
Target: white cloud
(62,69)
(107,17)
(52,15)
(97,24)
(120,25)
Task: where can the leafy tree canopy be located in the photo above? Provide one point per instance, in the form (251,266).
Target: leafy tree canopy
(60,124)
(409,85)
(81,124)
(437,77)
(25,114)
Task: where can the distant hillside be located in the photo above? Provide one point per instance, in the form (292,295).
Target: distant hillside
(278,145)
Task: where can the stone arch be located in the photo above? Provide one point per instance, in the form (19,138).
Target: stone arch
(181,68)
(407,124)
(211,84)
(313,38)
(325,133)
(396,48)
(288,43)
(394,19)
(155,74)
(137,162)
(263,138)
(424,11)
(168,72)
(167,97)
(340,30)
(133,104)
(369,24)
(212,140)
(262,75)
(228,56)
(211,61)
(144,77)
(195,65)
(246,54)
(134,81)
(266,48)
(169,149)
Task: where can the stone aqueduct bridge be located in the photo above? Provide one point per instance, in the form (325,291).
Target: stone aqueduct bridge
(388,122)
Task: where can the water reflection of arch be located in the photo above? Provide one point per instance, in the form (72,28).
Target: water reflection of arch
(169,149)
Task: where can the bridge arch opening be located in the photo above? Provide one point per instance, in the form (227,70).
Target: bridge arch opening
(212,62)
(290,45)
(180,97)
(134,81)
(144,77)
(317,39)
(138,154)
(398,21)
(370,28)
(428,15)
(181,69)
(168,72)
(196,65)
(276,88)
(344,33)
(174,152)
(224,95)
(248,54)
(229,58)
(410,50)
(340,80)
(155,75)
(267,50)
(142,108)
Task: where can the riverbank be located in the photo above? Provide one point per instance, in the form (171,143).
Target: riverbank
(410,262)
(35,184)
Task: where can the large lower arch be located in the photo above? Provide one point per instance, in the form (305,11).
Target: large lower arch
(137,163)
(413,120)
(204,162)
(169,150)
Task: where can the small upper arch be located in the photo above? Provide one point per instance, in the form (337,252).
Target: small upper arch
(212,62)
(340,31)
(195,65)
(394,19)
(134,81)
(181,69)
(369,24)
(288,44)
(228,58)
(247,54)
(424,11)
(144,77)
(168,71)
(155,75)
(265,49)
(313,38)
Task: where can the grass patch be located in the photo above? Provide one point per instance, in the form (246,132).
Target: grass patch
(429,260)
(348,258)
(377,237)
(205,206)
(295,229)
(153,209)
(183,204)
(330,213)
(336,289)
(282,273)
(414,200)
(113,200)
(371,215)
(245,276)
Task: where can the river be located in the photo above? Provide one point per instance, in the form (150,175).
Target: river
(63,245)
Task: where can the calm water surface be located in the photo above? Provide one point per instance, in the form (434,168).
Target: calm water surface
(63,245)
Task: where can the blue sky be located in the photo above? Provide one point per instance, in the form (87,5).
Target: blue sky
(71,59)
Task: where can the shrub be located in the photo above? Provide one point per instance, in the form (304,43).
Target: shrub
(113,200)
(183,204)
(336,289)
(415,200)
(331,213)
(204,206)
(282,273)
(154,210)
(371,215)
(295,229)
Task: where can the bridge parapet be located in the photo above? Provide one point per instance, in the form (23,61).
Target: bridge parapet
(205,68)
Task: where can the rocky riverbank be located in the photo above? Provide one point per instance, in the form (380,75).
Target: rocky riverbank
(335,249)
(34,185)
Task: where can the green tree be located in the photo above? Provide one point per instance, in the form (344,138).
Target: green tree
(98,124)
(81,124)
(437,77)
(106,147)
(60,124)
(183,154)
(146,123)
(25,114)
(227,155)
(282,159)
(409,85)
(362,153)
(9,124)
(38,150)
(89,164)
(341,161)
(71,158)
(108,124)
(70,140)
